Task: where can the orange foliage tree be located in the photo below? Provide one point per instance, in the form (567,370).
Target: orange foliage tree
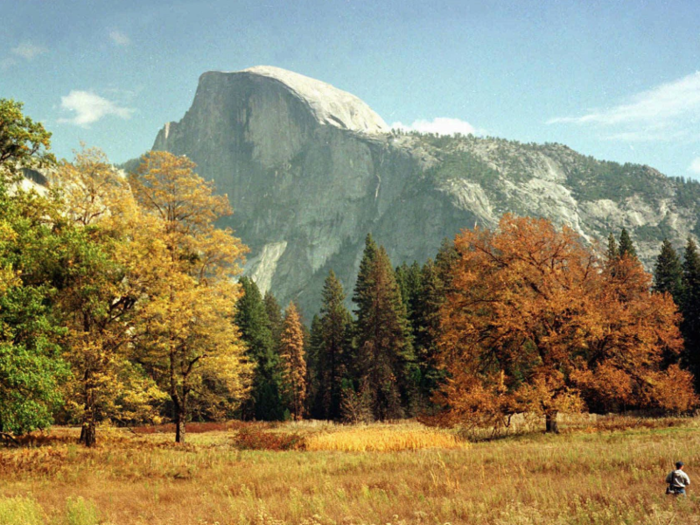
(293,361)
(535,322)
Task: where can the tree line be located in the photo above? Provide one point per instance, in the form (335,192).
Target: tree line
(120,300)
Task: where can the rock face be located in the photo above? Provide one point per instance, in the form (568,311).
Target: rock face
(310,170)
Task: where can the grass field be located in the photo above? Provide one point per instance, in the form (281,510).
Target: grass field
(608,471)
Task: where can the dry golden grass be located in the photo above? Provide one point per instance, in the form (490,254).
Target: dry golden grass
(382,438)
(597,472)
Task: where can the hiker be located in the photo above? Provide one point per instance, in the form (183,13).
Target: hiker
(677,480)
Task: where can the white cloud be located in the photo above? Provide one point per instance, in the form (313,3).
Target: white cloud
(440,125)
(119,38)
(89,108)
(695,166)
(28,51)
(667,112)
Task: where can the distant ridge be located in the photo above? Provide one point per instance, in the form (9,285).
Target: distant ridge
(311,169)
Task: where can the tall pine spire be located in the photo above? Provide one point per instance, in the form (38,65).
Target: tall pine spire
(384,358)
(668,272)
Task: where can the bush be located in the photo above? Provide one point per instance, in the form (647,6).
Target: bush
(20,511)
(81,512)
(256,439)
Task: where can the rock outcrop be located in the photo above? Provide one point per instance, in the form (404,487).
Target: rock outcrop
(310,170)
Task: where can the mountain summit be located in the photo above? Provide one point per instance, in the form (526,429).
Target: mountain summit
(311,169)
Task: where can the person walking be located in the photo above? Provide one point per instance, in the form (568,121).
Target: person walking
(677,480)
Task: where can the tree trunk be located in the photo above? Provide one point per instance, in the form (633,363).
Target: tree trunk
(551,422)
(180,415)
(88,432)
(179,428)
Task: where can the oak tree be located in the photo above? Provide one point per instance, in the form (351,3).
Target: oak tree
(536,323)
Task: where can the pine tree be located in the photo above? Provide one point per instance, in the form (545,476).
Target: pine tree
(691,309)
(668,272)
(613,252)
(626,246)
(313,396)
(265,402)
(335,325)
(293,361)
(426,330)
(274,316)
(385,359)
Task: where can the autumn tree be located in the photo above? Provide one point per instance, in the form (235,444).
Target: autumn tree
(187,332)
(535,323)
(384,361)
(293,361)
(110,245)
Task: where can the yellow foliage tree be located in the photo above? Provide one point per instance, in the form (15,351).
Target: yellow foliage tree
(104,283)
(187,331)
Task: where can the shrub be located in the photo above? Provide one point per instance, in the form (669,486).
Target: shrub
(81,512)
(256,439)
(20,511)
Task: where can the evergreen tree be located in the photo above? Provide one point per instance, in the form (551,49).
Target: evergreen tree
(626,246)
(690,326)
(334,327)
(668,273)
(613,252)
(274,316)
(313,371)
(445,259)
(385,359)
(265,402)
(426,330)
(293,362)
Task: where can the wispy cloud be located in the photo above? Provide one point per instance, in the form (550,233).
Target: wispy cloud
(90,108)
(670,111)
(28,51)
(119,38)
(440,125)
(695,166)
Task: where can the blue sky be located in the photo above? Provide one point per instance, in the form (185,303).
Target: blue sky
(614,79)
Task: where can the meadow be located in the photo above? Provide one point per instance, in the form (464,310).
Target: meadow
(607,470)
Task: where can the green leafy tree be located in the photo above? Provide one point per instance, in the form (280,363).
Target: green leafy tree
(23,142)
(31,368)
